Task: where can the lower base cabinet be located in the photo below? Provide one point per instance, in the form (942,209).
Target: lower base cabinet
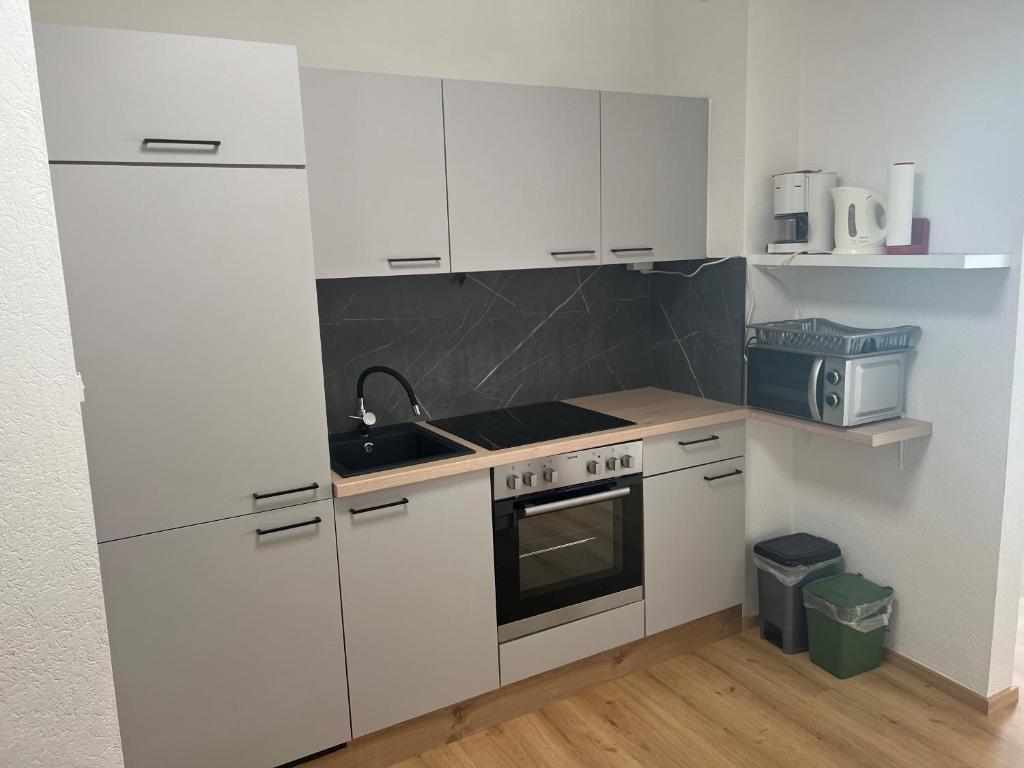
(417,585)
(226,641)
(694,543)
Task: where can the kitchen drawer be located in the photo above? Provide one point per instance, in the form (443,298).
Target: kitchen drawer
(679,450)
(104,91)
(227,643)
(539,652)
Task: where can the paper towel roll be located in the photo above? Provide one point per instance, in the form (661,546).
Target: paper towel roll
(900,208)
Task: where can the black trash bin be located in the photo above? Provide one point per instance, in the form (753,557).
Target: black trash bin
(784,565)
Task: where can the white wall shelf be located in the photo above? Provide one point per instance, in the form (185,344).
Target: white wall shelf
(885,261)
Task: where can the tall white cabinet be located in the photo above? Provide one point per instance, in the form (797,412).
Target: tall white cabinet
(189,272)
(524,180)
(654,177)
(378,201)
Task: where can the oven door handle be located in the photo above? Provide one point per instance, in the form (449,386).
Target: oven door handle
(812,388)
(579,501)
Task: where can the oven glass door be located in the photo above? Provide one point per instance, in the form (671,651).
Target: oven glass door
(556,549)
(785,382)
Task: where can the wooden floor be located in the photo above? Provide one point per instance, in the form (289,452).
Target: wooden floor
(741,702)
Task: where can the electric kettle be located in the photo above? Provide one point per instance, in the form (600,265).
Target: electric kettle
(860,221)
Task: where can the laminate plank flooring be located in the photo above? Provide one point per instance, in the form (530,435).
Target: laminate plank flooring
(741,702)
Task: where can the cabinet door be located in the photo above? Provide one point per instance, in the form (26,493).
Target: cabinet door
(375,145)
(654,177)
(227,644)
(523,176)
(693,543)
(104,91)
(194,322)
(417,585)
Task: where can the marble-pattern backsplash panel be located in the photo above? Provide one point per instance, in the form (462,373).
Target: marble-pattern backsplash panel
(485,340)
(697,329)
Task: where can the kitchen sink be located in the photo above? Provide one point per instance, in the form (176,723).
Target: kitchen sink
(401,445)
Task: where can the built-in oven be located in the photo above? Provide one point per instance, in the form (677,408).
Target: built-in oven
(568,537)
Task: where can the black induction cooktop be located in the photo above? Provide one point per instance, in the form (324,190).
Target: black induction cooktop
(524,424)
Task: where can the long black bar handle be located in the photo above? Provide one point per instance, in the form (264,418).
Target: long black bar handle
(413,259)
(272,494)
(688,443)
(398,503)
(265,531)
(734,473)
(641,249)
(556,254)
(213,144)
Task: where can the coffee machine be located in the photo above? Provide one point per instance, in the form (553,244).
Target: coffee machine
(804,213)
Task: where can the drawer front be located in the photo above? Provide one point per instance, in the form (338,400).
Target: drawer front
(533,654)
(226,641)
(104,91)
(694,447)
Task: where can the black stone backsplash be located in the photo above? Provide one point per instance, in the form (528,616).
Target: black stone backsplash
(489,339)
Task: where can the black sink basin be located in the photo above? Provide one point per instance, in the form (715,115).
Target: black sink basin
(401,445)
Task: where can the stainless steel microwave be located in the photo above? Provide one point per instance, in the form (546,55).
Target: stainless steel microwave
(837,390)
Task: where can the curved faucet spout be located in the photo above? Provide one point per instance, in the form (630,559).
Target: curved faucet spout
(413,400)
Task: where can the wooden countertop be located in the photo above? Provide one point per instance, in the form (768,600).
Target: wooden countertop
(654,411)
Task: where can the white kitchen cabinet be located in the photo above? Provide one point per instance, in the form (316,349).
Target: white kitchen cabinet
(417,586)
(523,176)
(693,543)
(375,148)
(194,322)
(105,91)
(654,177)
(227,644)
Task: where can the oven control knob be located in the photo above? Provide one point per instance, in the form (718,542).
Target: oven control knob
(530,479)
(833,377)
(627,461)
(512,481)
(551,475)
(594,467)
(613,463)
(832,400)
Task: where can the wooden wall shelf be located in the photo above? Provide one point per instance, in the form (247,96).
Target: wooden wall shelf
(872,435)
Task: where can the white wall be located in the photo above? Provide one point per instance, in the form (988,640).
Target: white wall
(56,693)
(912,88)
(680,47)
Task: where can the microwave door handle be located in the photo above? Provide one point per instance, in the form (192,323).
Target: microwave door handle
(579,501)
(812,388)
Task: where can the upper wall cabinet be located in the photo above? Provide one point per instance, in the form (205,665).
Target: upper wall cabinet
(654,177)
(375,145)
(524,186)
(111,95)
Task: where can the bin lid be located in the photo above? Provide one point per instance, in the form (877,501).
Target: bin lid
(798,549)
(846,591)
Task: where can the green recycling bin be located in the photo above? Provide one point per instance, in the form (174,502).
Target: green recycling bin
(846,620)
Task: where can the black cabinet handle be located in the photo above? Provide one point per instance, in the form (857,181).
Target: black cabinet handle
(641,249)
(687,443)
(557,254)
(272,494)
(265,531)
(722,477)
(212,144)
(398,503)
(413,259)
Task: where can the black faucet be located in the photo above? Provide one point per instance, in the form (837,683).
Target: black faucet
(367,418)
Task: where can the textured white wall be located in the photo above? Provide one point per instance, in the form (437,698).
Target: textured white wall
(679,47)
(56,693)
(913,87)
